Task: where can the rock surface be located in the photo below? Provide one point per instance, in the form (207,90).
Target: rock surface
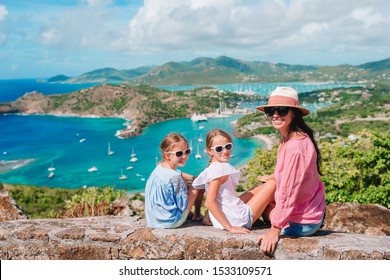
(126,237)
(9,210)
(368,219)
(122,238)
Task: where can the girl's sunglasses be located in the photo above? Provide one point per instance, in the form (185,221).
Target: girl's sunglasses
(282,111)
(219,149)
(179,154)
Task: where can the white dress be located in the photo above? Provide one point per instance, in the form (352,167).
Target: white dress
(234,209)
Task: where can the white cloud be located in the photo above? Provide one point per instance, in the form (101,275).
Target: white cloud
(245,28)
(92,25)
(3,15)
(3,12)
(367,16)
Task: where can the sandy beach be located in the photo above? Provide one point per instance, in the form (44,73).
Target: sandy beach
(268,141)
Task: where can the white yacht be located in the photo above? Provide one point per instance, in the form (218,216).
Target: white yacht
(122,177)
(132,153)
(197,156)
(110,152)
(51,168)
(133,157)
(93,169)
(51,175)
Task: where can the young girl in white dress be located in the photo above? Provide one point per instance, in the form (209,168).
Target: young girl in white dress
(220,179)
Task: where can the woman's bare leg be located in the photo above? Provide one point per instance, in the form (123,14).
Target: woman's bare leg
(261,198)
(198,206)
(192,196)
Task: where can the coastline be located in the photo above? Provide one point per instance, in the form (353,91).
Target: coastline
(267,140)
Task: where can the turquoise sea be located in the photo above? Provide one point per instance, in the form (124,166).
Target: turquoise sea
(29,145)
(32,144)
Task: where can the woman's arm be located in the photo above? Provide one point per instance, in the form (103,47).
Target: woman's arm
(288,188)
(212,206)
(269,240)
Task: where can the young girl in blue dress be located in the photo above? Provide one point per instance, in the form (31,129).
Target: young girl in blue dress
(167,198)
(220,179)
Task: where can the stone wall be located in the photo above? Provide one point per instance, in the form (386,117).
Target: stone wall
(122,238)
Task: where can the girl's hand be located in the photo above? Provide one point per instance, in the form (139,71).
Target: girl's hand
(241,230)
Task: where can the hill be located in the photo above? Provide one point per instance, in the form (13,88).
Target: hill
(223,70)
(381,65)
(104,75)
(58,79)
(142,104)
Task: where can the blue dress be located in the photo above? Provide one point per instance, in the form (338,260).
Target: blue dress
(166,198)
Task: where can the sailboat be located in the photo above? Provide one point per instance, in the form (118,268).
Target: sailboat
(133,156)
(52,168)
(132,153)
(122,177)
(197,156)
(110,152)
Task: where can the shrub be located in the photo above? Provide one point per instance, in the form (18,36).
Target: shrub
(92,201)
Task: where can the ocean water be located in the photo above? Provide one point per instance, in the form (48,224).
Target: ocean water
(29,145)
(10,90)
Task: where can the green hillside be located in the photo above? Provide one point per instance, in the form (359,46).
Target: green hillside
(223,70)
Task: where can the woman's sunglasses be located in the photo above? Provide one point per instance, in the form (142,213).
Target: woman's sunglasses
(282,111)
(219,149)
(179,154)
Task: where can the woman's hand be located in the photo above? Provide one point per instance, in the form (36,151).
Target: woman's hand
(265,178)
(269,240)
(235,229)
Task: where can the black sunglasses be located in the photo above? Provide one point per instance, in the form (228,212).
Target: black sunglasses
(179,154)
(282,111)
(219,149)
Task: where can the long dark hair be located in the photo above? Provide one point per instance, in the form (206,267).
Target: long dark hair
(299,125)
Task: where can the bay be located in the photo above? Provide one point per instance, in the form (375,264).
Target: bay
(30,145)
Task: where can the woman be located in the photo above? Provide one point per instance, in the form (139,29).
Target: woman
(299,197)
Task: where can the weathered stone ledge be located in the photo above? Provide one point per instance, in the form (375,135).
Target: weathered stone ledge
(121,238)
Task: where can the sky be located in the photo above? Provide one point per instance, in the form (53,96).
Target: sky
(44,38)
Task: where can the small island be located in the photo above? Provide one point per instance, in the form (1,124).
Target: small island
(140,105)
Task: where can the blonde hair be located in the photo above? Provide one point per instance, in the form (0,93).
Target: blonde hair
(216,132)
(212,134)
(170,141)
